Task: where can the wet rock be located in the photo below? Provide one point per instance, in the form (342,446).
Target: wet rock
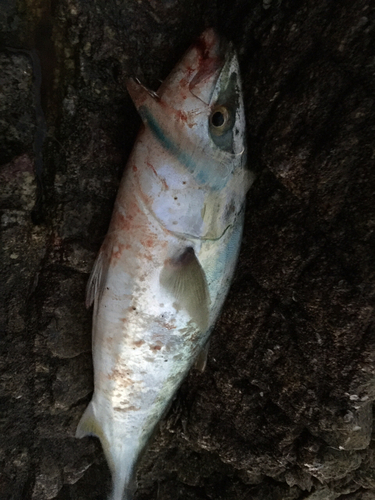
(333,464)
(353,430)
(284,408)
(18,184)
(322,493)
(64,341)
(48,482)
(17,111)
(365,476)
(72,381)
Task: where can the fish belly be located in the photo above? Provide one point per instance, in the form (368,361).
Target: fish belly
(143,343)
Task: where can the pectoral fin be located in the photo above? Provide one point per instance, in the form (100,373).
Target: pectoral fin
(183,277)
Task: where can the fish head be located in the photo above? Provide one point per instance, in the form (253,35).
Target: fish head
(199,106)
(197,116)
(204,91)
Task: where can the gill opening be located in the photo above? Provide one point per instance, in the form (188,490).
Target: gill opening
(184,236)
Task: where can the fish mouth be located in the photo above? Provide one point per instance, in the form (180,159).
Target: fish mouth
(209,45)
(197,74)
(213,55)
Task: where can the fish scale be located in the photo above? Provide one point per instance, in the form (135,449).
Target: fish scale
(165,266)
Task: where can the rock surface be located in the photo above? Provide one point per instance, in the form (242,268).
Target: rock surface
(284,408)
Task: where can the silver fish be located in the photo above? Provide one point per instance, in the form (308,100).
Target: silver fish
(164,269)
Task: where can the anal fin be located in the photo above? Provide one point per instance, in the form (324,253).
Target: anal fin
(88,425)
(201,361)
(183,277)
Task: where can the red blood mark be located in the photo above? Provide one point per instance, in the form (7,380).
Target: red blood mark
(138,343)
(169,326)
(181,115)
(207,42)
(117,250)
(186,117)
(149,240)
(209,59)
(203,48)
(155,347)
(152,167)
(135,169)
(149,243)
(122,223)
(163,181)
(206,68)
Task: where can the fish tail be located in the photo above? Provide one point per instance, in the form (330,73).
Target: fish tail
(119,492)
(123,479)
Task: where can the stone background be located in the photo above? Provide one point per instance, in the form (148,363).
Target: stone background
(284,408)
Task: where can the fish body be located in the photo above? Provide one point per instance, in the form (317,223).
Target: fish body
(166,264)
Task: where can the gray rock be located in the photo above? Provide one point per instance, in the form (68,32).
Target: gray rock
(17,111)
(72,381)
(284,408)
(48,481)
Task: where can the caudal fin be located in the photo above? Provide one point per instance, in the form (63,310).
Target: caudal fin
(119,458)
(121,493)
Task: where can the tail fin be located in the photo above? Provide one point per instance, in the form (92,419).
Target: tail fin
(121,493)
(124,484)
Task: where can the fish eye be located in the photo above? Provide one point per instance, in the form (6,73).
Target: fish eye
(219,119)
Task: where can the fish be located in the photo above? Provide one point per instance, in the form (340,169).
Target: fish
(165,266)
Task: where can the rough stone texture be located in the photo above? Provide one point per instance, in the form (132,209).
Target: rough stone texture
(284,408)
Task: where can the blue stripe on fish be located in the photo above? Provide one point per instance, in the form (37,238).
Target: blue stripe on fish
(201,172)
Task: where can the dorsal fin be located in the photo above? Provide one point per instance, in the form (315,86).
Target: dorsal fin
(183,277)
